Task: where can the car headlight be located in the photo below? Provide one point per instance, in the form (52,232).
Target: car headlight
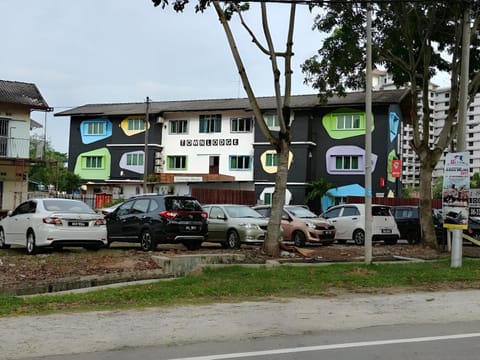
(310,225)
(250,226)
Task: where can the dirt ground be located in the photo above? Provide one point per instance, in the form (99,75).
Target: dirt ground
(16,266)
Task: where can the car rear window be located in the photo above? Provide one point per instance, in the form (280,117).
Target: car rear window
(183,204)
(67,206)
(381,211)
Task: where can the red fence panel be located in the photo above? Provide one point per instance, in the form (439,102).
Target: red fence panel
(224,196)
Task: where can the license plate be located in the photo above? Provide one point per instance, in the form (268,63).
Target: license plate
(386,231)
(77,223)
(190,227)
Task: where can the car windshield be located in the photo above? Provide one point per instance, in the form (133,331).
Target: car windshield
(72,206)
(241,211)
(301,212)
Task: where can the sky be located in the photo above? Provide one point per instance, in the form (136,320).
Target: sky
(112,51)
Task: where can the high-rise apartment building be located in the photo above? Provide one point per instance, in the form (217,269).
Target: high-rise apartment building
(439,98)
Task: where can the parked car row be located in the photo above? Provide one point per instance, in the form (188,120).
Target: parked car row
(152,219)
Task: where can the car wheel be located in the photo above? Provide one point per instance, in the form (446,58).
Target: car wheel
(2,240)
(233,240)
(30,245)
(147,242)
(359,237)
(192,245)
(299,238)
(413,237)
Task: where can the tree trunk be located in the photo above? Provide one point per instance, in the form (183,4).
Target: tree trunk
(426,220)
(274,234)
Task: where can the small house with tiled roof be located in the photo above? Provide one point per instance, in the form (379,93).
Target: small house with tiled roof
(17,101)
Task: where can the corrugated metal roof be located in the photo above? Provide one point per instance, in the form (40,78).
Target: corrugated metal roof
(265,103)
(14,92)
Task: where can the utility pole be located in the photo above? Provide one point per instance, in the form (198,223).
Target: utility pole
(368,142)
(145,150)
(457,240)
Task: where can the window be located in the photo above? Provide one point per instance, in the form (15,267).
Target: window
(346,162)
(93,162)
(210,123)
(178,126)
(134,159)
(350,211)
(240,162)
(268,199)
(136,124)
(348,121)
(96,128)
(272,160)
(272,122)
(177,162)
(241,125)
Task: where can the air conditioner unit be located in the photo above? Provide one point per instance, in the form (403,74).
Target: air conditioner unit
(160,120)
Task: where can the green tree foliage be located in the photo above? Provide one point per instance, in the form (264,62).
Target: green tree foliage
(280,141)
(317,189)
(50,168)
(414,41)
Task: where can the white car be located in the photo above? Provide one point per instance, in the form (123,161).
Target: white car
(349,221)
(55,223)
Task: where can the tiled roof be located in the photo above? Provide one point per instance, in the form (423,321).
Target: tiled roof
(266,103)
(13,92)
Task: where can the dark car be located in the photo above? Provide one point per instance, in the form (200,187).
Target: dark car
(407,218)
(155,219)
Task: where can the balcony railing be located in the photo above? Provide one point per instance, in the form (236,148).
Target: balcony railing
(14,147)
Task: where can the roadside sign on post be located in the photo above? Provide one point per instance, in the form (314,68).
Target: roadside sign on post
(474,203)
(456,190)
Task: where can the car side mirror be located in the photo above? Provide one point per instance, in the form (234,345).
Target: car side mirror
(285,217)
(9,213)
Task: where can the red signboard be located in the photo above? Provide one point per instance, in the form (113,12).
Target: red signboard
(396,168)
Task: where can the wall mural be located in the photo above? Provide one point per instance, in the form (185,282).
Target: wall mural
(95,130)
(329,122)
(347,151)
(132,161)
(268,159)
(133,125)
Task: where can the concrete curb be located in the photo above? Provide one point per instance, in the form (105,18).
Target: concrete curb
(169,267)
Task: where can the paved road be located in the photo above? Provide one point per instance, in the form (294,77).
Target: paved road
(101,331)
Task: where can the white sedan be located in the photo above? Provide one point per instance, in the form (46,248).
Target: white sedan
(55,223)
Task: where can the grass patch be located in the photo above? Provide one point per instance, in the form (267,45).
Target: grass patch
(237,283)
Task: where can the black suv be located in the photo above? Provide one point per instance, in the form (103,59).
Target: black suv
(408,223)
(154,219)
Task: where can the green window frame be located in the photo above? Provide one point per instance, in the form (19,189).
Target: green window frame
(96,128)
(93,162)
(271,159)
(135,159)
(240,162)
(136,124)
(267,199)
(241,125)
(178,126)
(210,124)
(177,162)
(347,162)
(272,121)
(348,121)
